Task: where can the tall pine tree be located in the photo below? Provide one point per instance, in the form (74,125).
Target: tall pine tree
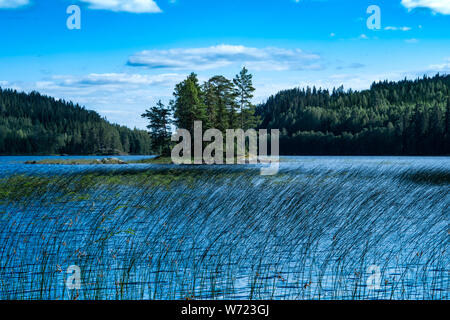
(447,127)
(244,92)
(188,105)
(224,97)
(159,117)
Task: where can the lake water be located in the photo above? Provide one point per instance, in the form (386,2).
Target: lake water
(322,228)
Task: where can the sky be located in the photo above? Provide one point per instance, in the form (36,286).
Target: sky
(128,54)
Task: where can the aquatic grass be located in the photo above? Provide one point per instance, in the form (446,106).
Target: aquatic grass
(436,177)
(184,232)
(21,186)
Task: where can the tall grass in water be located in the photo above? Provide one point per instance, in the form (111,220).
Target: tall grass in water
(224,232)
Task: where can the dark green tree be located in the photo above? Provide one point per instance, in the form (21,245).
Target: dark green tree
(36,124)
(159,117)
(447,127)
(225,105)
(210,100)
(188,105)
(244,92)
(409,117)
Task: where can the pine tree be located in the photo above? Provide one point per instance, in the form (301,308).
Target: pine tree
(225,109)
(244,92)
(188,105)
(436,131)
(210,102)
(447,118)
(317,122)
(447,128)
(159,117)
(53,126)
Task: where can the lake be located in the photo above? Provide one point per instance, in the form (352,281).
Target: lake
(322,228)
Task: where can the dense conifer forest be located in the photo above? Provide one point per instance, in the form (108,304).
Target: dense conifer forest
(409,117)
(37,124)
(391,118)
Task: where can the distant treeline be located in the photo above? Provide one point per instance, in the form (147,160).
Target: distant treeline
(37,124)
(391,118)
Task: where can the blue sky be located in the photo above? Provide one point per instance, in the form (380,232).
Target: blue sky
(130,53)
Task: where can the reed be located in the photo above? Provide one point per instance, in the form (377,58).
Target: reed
(225,232)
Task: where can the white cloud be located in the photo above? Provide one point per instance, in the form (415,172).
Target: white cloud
(390,28)
(354,65)
(411,40)
(134,6)
(441,67)
(363,36)
(445,66)
(11,4)
(115,79)
(225,55)
(439,6)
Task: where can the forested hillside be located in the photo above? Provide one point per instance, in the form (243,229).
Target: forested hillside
(398,118)
(37,124)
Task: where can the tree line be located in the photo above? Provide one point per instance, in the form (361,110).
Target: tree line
(37,124)
(219,103)
(409,117)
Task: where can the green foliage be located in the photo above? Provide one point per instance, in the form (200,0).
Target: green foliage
(22,186)
(37,124)
(219,103)
(159,117)
(156,160)
(398,118)
(79,186)
(188,106)
(220,99)
(244,92)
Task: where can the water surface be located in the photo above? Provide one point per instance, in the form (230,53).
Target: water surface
(321,228)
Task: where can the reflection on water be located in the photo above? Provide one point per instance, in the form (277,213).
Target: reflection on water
(224,232)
